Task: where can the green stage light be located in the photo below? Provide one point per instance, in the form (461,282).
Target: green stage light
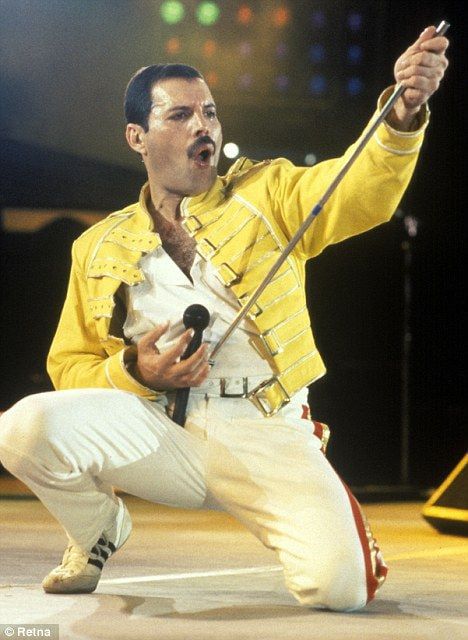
(207,13)
(172,11)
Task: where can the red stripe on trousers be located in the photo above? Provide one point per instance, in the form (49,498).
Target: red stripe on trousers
(372,581)
(318,429)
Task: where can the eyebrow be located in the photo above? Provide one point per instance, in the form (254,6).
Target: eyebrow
(184,106)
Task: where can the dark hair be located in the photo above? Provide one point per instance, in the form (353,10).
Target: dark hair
(137,100)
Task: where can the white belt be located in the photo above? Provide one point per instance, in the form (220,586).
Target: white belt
(237,387)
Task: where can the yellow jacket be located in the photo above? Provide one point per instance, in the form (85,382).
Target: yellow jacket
(241,225)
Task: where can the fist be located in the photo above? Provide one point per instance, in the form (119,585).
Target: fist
(166,371)
(421,68)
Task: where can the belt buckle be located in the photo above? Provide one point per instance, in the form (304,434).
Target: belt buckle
(224,394)
(262,403)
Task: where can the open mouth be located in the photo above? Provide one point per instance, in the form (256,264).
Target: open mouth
(203,155)
(202,151)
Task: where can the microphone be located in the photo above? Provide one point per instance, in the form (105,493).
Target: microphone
(196,317)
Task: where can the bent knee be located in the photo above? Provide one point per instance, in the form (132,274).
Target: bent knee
(340,595)
(24,427)
(339,585)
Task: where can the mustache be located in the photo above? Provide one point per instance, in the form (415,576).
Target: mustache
(200,142)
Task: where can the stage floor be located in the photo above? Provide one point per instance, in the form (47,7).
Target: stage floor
(198,575)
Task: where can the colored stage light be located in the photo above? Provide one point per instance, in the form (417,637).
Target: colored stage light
(209,48)
(207,13)
(317,53)
(212,78)
(355,21)
(317,85)
(318,19)
(246,81)
(172,11)
(281,50)
(354,86)
(310,159)
(245,49)
(354,54)
(244,14)
(282,83)
(281,17)
(173,46)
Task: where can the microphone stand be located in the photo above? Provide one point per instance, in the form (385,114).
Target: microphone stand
(405,420)
(410,224)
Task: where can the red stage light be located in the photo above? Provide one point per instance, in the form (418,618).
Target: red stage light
(281,17)
(244,14)
(173,46)
(211,78)
(209,48)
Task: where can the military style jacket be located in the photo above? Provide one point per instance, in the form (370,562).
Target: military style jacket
(241,225)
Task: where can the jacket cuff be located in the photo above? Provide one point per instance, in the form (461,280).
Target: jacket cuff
(401,142)
(119,377)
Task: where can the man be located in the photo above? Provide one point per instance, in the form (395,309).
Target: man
(248,445)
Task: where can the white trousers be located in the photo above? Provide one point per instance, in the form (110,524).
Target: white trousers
(72,447)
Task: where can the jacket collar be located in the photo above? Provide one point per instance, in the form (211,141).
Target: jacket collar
(143,215)
(219,191)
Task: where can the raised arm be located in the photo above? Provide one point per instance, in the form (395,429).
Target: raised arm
(373,187)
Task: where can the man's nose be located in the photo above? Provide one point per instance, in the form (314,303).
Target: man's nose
(201,124)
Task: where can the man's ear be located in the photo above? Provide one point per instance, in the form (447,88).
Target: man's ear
(135,135)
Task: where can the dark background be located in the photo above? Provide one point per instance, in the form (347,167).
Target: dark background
(64,69)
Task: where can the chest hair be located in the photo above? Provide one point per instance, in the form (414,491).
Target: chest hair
(178,244)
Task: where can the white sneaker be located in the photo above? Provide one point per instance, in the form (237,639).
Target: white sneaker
(80,570)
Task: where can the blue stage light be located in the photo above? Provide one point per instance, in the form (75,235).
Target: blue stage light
(317,85)
(354,86)
(354,54)
(318,19)
(317,53)
(355,21)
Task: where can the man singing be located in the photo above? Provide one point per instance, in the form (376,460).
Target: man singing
(248,446)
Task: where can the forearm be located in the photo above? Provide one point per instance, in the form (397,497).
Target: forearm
(79,370)
(366,197)
(81,356)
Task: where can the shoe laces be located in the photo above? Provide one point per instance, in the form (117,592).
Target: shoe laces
(74,559)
